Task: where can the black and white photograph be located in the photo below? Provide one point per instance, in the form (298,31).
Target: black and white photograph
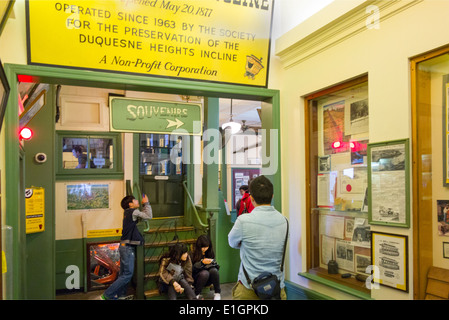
(324,164)
(389,158)
(359,110)
(361,263)
(388,183)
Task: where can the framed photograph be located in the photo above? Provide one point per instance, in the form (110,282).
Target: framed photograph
(389,255)
(443,217)
(446,250)
(388,183)
(4,93)
(87,196)
(324,164)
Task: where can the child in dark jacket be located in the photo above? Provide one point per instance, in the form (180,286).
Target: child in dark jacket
(131,237)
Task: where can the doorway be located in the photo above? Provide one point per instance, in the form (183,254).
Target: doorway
(161,173)
(55,76)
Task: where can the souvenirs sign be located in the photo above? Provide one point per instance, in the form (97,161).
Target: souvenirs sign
(139,115)
(220,41)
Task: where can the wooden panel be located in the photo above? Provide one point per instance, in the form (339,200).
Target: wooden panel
(439,274)
(438,288)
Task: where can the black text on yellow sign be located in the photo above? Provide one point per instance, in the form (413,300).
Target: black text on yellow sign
(221,41)
(35,210)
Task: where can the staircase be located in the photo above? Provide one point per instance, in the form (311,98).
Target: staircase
(163,233)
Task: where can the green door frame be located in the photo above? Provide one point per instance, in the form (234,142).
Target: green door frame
(67,76)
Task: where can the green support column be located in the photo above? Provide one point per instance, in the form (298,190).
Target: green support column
(210,163)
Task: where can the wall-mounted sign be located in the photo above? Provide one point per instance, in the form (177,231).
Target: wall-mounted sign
(138,115)
(35,209)
(224,41)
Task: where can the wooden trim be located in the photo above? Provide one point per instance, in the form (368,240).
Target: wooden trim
(308,113)
(422,237)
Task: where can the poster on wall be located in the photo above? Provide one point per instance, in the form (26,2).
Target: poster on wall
(388,180)
(241,177)
(389,253)
(35,210)
(443,217)
(87,196)
(334,128)
(168,38)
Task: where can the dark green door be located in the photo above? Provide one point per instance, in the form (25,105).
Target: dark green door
(161,173)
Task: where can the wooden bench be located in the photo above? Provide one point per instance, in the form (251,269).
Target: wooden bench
(437,284)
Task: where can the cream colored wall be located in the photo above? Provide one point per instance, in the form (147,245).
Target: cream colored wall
(13,38)
(381,53)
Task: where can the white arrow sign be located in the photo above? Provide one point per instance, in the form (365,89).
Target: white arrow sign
(176,123)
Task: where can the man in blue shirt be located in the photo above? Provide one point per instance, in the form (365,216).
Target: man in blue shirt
(260,236)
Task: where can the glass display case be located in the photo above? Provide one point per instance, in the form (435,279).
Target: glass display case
(338,226)
(160,155)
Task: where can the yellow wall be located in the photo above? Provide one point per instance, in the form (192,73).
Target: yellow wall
(315,57)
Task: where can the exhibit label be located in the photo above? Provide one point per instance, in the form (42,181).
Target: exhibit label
(138,115)
(224,41)
(35,210)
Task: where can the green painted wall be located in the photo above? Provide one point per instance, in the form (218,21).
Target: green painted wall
(35,265)
(40,250)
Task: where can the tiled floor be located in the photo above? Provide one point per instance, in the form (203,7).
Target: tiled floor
(226,294)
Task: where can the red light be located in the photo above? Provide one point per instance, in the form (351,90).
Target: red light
(25,133)
(336,144)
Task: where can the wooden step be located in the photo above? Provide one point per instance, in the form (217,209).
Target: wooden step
(169,229)
(151,259)
(152,293)
(152,275)
(169,243)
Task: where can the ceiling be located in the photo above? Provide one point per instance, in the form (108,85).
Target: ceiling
(241,110)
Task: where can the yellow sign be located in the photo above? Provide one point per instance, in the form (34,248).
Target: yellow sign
(104,233)
(35,210)
(4,265)
(221,41)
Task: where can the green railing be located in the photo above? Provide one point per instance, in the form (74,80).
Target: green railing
(201,223)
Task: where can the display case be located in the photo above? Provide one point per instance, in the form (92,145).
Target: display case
(160,155)
(338,227)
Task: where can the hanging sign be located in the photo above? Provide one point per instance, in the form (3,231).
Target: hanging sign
(34,210)
(224,41)
(151,116)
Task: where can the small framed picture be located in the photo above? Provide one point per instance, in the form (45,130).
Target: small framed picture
(389,183)
(324,164)
(389,255)
(446,250)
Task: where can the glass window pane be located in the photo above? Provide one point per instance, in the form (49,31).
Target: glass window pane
(74,153)
(160,154)
(339,135)
(101,153)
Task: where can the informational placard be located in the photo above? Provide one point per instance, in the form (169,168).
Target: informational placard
(35,210)
(138,115)
(389,254)
(224,41)
(104,233)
